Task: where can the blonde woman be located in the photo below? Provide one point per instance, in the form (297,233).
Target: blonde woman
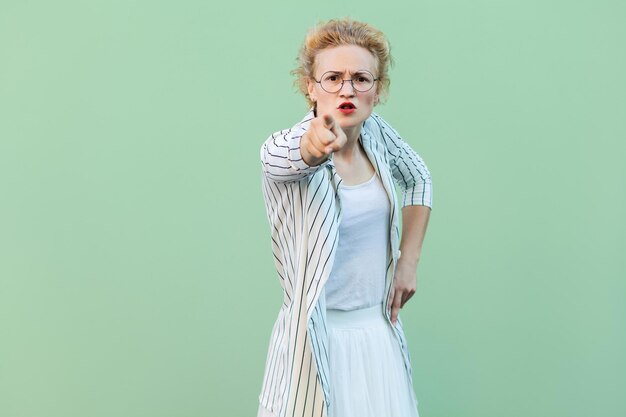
(338,347)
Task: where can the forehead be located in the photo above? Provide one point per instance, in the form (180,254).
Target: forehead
(345,58)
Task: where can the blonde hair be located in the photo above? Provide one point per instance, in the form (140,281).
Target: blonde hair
(345,31)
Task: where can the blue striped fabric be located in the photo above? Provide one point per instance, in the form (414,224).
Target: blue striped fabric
(304,212)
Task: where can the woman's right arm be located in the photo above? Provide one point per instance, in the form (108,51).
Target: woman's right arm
(285,154)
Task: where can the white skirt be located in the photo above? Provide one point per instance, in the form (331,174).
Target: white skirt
(367,373)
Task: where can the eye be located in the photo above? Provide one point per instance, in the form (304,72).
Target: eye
(332,77)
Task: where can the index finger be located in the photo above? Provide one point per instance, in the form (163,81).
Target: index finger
(395,307)
(329,122)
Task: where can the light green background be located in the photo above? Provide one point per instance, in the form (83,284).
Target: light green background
(136,275)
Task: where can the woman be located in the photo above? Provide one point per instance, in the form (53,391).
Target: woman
(338,348)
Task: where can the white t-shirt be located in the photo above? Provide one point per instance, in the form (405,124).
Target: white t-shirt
(357,279)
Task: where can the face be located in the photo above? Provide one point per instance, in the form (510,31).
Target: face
(347,61)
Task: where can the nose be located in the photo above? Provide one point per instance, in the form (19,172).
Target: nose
(348,91)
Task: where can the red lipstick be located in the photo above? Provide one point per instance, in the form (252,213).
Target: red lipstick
(346,107)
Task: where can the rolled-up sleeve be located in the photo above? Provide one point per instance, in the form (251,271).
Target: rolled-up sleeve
(408,168)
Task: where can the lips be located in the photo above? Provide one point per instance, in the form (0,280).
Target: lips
(346,106)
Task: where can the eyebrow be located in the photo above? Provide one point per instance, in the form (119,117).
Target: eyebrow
(355,72)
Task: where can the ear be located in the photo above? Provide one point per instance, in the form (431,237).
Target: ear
(310,86)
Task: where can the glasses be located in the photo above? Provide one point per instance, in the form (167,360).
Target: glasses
(361,81)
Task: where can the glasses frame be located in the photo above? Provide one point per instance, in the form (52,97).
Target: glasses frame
(374,79)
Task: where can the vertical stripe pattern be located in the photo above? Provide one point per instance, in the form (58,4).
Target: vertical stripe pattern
(304,212)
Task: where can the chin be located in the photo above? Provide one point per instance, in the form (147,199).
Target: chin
(350,122)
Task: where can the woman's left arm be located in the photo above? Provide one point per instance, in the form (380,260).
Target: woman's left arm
(413,178)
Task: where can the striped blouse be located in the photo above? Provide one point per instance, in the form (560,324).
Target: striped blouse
(304,211)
